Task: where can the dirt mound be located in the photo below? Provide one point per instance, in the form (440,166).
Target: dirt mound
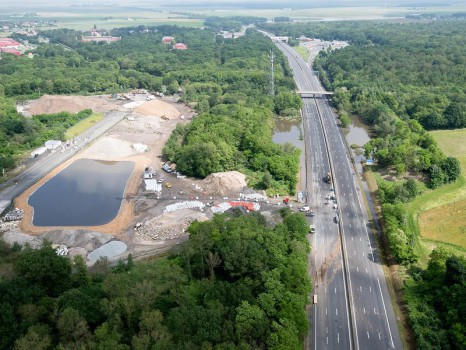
(169,225)
(224,183)
(158,108)
(48,104)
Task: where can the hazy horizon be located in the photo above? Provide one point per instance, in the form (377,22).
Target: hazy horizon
(237,4)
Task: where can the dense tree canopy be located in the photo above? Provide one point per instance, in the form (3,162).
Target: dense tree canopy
(236,284)
(437,303)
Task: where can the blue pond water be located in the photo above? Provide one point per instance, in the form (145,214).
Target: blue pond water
(87,193)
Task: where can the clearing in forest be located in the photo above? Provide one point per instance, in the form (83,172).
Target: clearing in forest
(445,217)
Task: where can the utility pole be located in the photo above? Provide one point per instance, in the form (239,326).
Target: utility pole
(272,74)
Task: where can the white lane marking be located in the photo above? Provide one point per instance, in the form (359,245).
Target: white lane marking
(336,312)
(360,239)
(354,252)
(338,338)
(357,268)
(375,313)
(368,335)
(367,271)
(327,340)
(351,238)
(364,310)
(386,316)
(335,290)
(360,288)
(325,311)
(380,338)
(370,288)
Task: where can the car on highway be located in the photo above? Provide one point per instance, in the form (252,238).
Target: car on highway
(312,229)
(336,219)
(335,206)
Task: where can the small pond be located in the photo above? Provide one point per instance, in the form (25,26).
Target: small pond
(356,133)
(291,131)
(87,193)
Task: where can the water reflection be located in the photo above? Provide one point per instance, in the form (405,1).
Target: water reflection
(288,131)
(357,133)
(86,193)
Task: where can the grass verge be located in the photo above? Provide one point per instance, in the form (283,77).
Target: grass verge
(302,51)
(82,126)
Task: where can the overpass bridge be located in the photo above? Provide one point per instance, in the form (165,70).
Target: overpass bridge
(312,94)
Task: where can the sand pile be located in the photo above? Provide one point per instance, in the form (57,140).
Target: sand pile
(73,104)
(157,108)
(224,183)
(109,148)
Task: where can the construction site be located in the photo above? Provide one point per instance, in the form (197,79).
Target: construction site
(158,204)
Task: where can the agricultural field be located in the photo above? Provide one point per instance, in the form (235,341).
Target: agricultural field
(442,213)
(84,18)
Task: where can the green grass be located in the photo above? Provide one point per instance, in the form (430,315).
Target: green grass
(82,126)
(301,50)
(441,210)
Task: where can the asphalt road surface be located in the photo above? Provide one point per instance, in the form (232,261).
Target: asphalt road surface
(354,310)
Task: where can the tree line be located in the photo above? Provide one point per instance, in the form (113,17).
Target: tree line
(237,283)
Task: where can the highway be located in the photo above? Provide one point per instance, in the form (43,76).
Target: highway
(354,310)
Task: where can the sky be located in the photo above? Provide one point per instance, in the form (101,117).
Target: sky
(220,3)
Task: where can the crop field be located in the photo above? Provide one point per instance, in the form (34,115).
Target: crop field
(109,17)
(115,18)
(441,213)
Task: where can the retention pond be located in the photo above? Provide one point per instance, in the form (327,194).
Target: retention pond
(87,193)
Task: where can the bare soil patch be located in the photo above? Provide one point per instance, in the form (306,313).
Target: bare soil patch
(158,108)
(48,104)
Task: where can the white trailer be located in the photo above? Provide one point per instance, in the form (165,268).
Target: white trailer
(38,152)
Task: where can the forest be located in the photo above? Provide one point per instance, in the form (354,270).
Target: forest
(403,79)
(227,80)
(400,78)
(237,283)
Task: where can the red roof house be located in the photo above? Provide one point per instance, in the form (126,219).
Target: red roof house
(10,50)
(180,46)
(9,43)
(167,39)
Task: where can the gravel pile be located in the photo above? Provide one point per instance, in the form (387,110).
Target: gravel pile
(169,225)
(184,205)
(252,196)
(14,235)
(221,208)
